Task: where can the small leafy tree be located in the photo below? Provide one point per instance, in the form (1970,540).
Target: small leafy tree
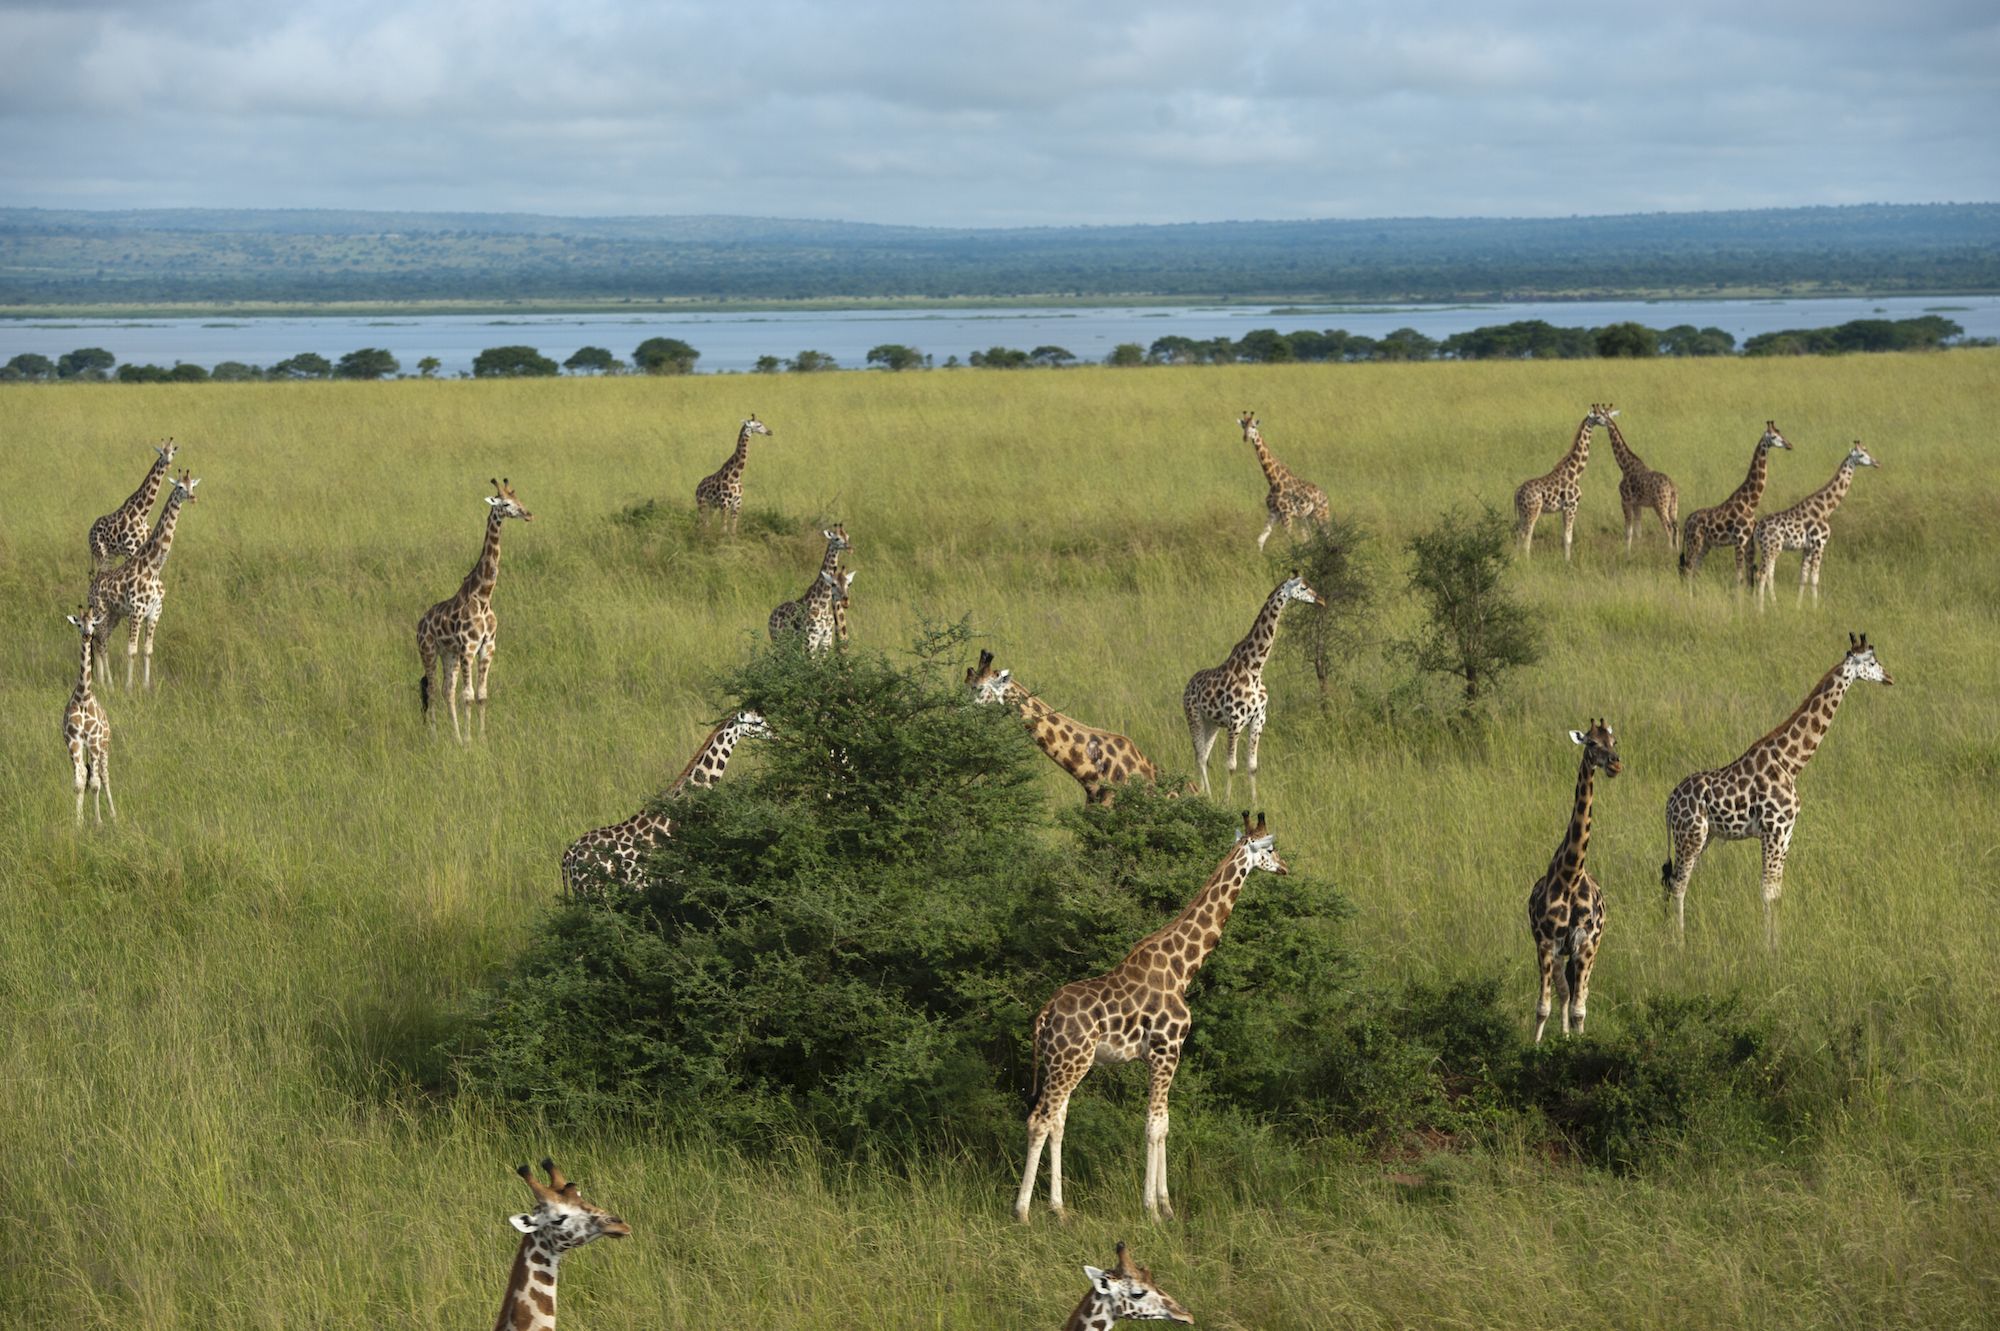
(33,366)
(366,363)
(85,363)
(429,366)
(305,365)
(998,358)
(1266,346)
(767,365)
(512,363)
(895,356)
(1051,357)
(1475,631)
(811,362)
(1628,339)
(141,374)
(665,355)
(592,360)
(234,372)
(187,373)
(1337,558)
(1125,355)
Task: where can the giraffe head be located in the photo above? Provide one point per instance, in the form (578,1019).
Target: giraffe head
(986,683)
(1294,588)
(88,622)
(562,1219)
(1773,439)
(185,487)
(750,724)
(1860,662)
(1858,456)
(836,538)
(1260,846)
(755,426)
(1248,422)
(167,451)
(1131,1295)
(503,502)
(1600,414)
(1600,747)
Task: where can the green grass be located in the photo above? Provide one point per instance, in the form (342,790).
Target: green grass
(223,1013)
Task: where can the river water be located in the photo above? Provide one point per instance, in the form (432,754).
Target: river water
(734,341)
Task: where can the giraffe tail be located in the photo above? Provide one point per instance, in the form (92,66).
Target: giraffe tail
(1035,1063)
(424,692)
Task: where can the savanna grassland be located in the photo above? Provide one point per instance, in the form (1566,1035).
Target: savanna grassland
(219,1086)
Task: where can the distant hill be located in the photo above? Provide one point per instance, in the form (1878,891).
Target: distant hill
(217,255)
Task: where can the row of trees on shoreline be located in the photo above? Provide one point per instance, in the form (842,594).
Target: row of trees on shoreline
(1528,339)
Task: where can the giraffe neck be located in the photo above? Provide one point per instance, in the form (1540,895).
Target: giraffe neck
(1822,502)
(1628,461)
(1041,719)
(478,584)
(81,694)
(1792,744)
(734,467)
(830,561)
(1095,1313)
(1752,490)
(530,1302)
(1579,451)
(1178,949)
(142,498)
(1567,866)
(153,554)
(1255,649)
(1274,470)
(706,767)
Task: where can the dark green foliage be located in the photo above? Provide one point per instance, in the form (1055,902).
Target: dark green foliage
(85,363)
(1266,346)
(428,367)
(141,374)
(512,363)
(1475,631)
(1687,340)
(665,355)
(998,358)
(1126,355)
(895,356)
(366,363)
(1404,344)
(1339,561)
(234,372)
(31,366)
(1926,332)
(305,365)
(811,362)
(1628,340)
(1524,339)
(1051,357)
(592,360)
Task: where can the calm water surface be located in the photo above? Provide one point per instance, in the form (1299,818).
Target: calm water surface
(734,341)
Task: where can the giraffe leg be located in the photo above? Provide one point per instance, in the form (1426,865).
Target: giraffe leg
(1204,736)
(1060,1118)
(485,665)
(1045,1125)
(1582,959)
(1229,777)
(1688,842)
(1776,843)
(131,652)
(152,624)
(1569,529)
(1525,514)
(1157,1205)
(1817,556)
(76,757)
(449,668)
(427,655)
(1256,733)
(1545,957)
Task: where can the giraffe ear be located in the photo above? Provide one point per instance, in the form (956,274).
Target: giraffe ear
(1100,1279)
(1578,737)
(523,1222)
(494,500)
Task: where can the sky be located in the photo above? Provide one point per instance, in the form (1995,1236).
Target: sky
(1025,113)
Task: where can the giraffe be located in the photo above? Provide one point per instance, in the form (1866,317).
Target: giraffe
(1731,522)
(616,853)
(1098,759)
(1289,497)
(1565,907)
(1758,794)
(1232,696)
(722,489)
(1559,490)
(87,730)
(817,613)
(840,599)
(1125,1293)
(1134,1010)
(1640,487)
(122,531)
(561,1221)
(458,633)
(1806,526)
(135,590)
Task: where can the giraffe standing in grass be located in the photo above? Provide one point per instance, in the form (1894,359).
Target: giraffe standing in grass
(817,613)
(87,730)
(1640,487)
(1134,1010)
(460,632)
(1231,697)
(1566,908)
(1125,1293)
(1098,759)
(1731,523)
(616,854)
(136,590)
(840,599)
(1558,491)
(722,489)
(1806,526)
(1289,498)
(1758,794)
(561,1222)
(121,532)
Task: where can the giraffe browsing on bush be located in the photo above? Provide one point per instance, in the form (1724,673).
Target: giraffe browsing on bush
(1125,1293)
(616,854)
(1134,1010)
(1806,526)
(1098,759)
(722,489)
(561,1222)
(87,730)
(1231,697)
(1640,487)
(136,590)
(1566,907)
(460,632)
(816,613)
(121,532)
(1557,491)
(1731,522)
(1289,497)
(1758,794)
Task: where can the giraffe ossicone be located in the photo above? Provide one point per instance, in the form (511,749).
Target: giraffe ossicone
(1125,1293)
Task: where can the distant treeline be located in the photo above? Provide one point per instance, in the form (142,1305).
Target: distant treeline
(220,256)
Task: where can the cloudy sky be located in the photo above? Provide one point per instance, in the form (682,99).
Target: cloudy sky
(1018,113)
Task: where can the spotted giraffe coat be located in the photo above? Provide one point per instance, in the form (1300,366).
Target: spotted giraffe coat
(1565,906)
(1731,523)
(1289,498)
(1098,759)
(1806,526)
(122,532)
(1559,490)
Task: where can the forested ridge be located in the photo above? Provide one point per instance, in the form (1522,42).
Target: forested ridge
(205,255)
